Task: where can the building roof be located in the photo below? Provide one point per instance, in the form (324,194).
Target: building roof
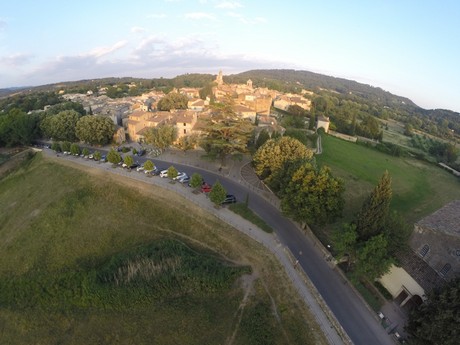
(138,114)
(446,219)
(418,269)
(242,109)
(323,118)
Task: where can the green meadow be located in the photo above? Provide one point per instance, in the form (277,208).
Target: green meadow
(89,258)
(419,188)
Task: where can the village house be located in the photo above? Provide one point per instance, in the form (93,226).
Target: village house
(323,122)
(433,258)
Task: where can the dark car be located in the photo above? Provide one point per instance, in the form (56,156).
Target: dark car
(229,199)
(134,165)
(140,152)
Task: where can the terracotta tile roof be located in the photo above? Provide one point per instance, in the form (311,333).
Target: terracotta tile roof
(138,114)
(446,219)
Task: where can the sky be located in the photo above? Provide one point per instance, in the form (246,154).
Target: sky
(408,47)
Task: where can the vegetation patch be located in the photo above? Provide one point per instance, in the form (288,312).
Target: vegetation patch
(244,211)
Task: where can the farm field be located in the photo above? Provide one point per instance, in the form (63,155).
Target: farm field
(89,258)
(419,188)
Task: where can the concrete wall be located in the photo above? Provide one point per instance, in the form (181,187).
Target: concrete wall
(394,281)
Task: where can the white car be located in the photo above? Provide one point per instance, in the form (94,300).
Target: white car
(140,168)
(164,173)
(180,175)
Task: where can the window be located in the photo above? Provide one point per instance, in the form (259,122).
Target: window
(185,131)
(185,124)
(446,268)
(424,250)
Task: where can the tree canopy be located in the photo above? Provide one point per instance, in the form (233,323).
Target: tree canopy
(218,193)
(173,100)
(61,126)
(435,322)
(161,136)
(18,128)
(272,155)
(95,129)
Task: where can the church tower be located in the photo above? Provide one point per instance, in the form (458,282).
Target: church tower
(219,78)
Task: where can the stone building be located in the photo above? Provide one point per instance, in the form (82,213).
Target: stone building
(433,258)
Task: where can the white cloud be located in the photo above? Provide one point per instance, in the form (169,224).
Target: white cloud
(241,18)
(199,15)
(229,4)
(101,51)
(16,60)
(156,15)
(137,29)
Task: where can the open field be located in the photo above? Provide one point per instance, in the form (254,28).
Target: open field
(89,258)
(419,188)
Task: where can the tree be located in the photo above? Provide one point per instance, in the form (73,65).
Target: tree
(313,195)
(55,146)
(85,151)
(371,219)
(297,110)
(97,156)
(75,149)
(217,194)
(148,165)
(262,138)
(61,126)
(345,243)
(18,128)
(435,322)
(65,145)
(272,155)
(372,259)
(196,180)
(161,136)
(113,157)
(225,132)
(397,233)
(172,172)
(128,160)
(95,129)
(173,100)
(187,142)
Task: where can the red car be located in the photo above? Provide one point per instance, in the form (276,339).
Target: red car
(206,188)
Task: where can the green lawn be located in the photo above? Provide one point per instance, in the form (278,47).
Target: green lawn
(87,259)
(418,187)
(245,212)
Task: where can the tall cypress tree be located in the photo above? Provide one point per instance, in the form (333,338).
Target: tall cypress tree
(371,220)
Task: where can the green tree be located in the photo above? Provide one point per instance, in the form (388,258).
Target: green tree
(224,132)
(173,100)
(187,142)
(95,129)
(172,172)
(161,136)
(397,233)
(113,157)
(65,145)
(313,195)
(372,258)
(128,160)
(148,165)
(196,180)
(18,128)
(435,322)
(85,152)
(272,155)
(61,126)
(262,138)
(75,149)
(372,217)
(345,243)
(217,194)
(97,156)
(55,146)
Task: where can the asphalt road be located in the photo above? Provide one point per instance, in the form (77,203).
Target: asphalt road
(358,321)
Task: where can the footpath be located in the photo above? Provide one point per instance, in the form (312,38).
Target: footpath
(324,317)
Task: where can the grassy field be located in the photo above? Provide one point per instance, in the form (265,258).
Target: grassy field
(419,188)
(244,211)
(91,258)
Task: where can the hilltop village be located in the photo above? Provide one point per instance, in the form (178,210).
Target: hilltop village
(134,115)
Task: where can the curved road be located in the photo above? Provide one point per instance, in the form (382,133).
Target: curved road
(353,315)
(356,319)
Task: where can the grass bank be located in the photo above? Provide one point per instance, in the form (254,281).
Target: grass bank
(245,212)
(93,258)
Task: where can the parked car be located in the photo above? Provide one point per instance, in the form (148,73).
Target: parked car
(140,168)
(205,188)
(104,158)
(229,199)
(152,172)
(164,173)
(134,165)
(179,176)
(91,156)
(141,152)
(184,179)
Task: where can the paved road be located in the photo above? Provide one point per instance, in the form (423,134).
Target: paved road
(359,323)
